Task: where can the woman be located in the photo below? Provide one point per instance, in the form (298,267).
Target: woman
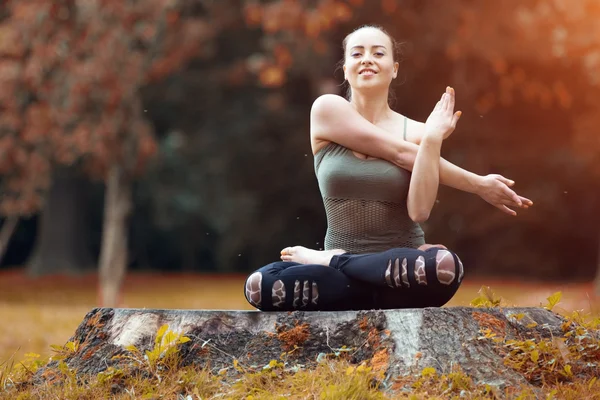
(375,255)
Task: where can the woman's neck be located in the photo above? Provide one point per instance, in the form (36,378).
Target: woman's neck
(374,108)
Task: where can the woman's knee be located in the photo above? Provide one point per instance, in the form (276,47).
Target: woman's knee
(253,288)
(266,289)
(437,262)
(263,277)
(448,267)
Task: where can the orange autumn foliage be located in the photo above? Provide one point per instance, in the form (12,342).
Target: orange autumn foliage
(70,74)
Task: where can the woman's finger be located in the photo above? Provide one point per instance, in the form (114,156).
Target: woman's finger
(455,118)
(451,99)
(438,105)
(511,203)
(504,180)
(526,201)
(443,102)
(507,210)
(511,195)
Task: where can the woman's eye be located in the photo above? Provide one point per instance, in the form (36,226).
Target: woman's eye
(379,54)
(355,54)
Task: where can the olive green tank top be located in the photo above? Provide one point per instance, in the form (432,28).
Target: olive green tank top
(365,202)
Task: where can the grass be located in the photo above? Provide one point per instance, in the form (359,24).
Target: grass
(37,313)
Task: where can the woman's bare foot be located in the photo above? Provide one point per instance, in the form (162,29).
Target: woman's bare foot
(424,247)
(304,255)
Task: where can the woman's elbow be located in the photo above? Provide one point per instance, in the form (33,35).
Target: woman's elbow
(419,216)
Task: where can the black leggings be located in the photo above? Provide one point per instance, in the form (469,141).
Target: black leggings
(396,278)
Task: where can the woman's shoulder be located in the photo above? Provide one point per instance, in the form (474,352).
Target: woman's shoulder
(327,103)
(323,109)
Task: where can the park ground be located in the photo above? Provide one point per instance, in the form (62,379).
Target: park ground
(37,313)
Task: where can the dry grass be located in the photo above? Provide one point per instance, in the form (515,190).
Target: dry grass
(36,313)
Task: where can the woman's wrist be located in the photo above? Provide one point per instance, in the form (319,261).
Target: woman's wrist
(475,183)
(432,139)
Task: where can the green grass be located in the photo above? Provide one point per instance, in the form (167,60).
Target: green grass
(38,313)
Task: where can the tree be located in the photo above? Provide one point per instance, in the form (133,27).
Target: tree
(70,75)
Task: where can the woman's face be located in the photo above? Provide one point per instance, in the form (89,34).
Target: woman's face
(369,60)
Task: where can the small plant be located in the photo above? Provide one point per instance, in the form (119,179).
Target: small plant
(62,352)
(163,356)
(487,298)
(553,300)
(6,369)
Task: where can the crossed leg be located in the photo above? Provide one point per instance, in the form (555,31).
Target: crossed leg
(334,280)
(286,286)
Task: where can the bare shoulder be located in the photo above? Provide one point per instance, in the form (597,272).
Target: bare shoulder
(327,103)
(322,113)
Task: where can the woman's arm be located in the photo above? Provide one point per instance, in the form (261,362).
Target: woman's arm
(333,119)
(424,181)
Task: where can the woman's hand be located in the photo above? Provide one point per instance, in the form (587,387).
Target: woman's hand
(495,189)
(443,119)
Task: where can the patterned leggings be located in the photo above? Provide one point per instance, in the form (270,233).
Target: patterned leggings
(396,278)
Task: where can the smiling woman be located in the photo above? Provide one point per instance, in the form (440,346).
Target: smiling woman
(378,173)
(378,46)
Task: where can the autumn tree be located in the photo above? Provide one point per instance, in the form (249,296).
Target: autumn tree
(70,75)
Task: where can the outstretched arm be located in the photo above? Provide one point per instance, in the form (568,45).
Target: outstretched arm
(493,188)
(333,119)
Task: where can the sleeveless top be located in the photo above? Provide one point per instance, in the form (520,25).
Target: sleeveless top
(365,202)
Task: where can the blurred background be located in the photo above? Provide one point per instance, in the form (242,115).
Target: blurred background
(153,153)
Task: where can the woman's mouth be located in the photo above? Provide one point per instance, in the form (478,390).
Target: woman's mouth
(367,72)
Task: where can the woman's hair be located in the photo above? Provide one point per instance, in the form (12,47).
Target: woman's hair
(396,56)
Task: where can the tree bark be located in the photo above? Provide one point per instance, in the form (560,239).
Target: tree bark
(8,229)
(114,248)
(62,245)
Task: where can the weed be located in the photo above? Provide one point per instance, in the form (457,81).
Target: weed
(163,356)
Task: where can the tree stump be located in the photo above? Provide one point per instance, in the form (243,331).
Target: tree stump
(400,342)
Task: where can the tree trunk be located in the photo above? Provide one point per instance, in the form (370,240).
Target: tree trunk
(597,279)
(62,245)
(113,253)
(8,228)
